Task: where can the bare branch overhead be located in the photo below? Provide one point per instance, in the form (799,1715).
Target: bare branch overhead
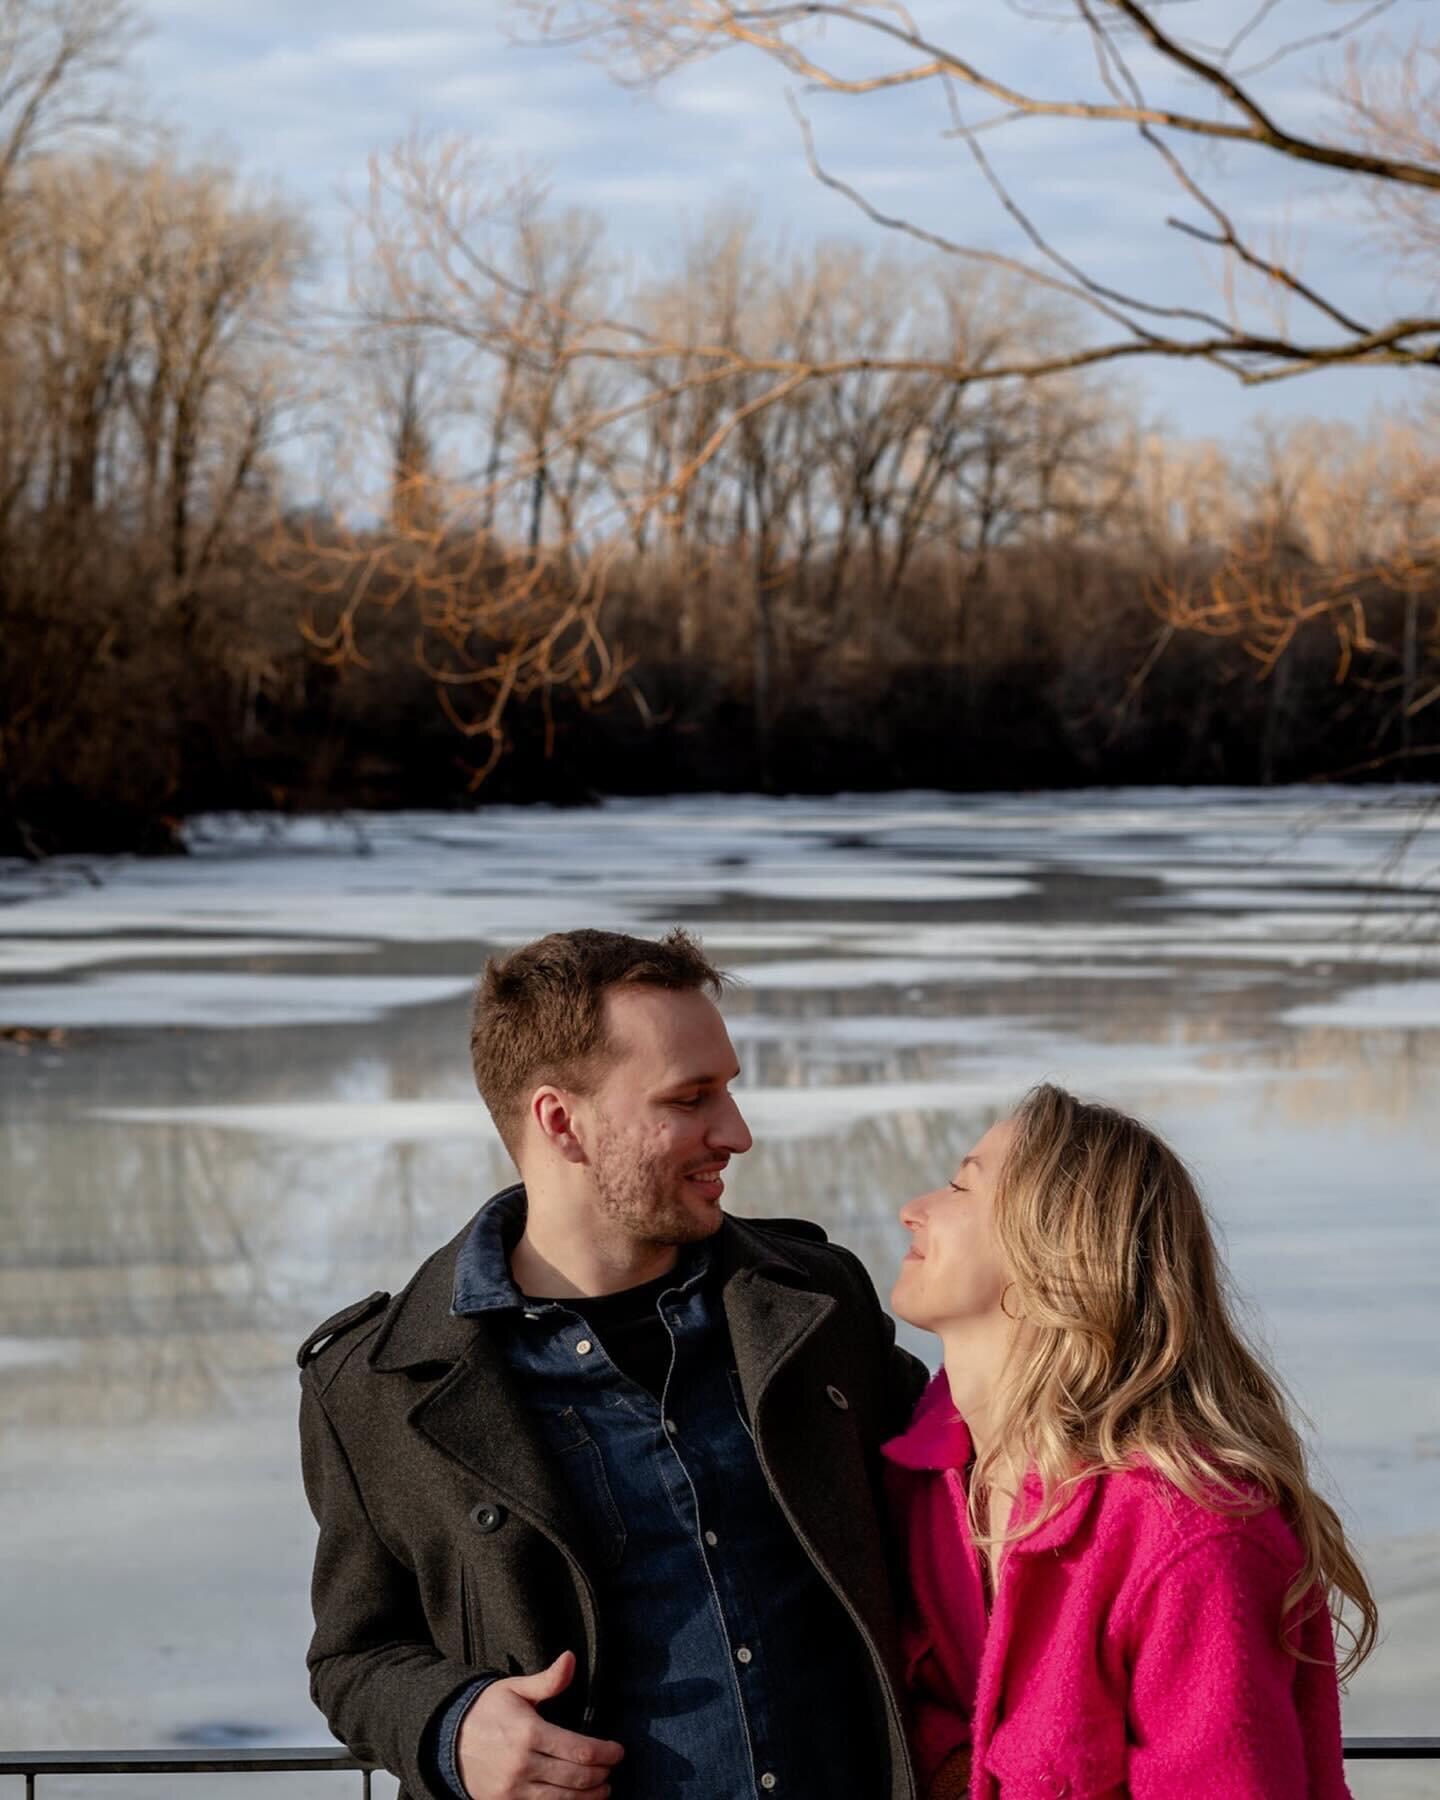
(860,49)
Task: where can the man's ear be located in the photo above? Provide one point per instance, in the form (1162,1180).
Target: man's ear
(552,1110)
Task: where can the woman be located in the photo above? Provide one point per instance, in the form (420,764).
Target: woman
(1120,1579)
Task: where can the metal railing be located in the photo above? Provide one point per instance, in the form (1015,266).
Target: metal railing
(31,1764)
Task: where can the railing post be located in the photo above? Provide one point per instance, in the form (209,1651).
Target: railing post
(365,1784)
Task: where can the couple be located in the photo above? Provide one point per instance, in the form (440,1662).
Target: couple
(625,1496)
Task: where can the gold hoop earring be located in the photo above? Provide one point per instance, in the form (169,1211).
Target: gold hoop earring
(1004,1308)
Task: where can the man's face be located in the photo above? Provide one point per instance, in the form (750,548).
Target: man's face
(660,1125)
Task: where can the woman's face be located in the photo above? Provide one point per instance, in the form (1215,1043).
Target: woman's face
(953,1270)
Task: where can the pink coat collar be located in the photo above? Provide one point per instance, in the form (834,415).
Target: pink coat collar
(938,1438)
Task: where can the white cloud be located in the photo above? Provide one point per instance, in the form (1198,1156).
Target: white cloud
(389,50)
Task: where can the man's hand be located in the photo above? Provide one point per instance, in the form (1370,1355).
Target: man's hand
(951,1781)
(506,1751)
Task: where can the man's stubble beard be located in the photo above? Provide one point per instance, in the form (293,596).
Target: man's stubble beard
(637,1194)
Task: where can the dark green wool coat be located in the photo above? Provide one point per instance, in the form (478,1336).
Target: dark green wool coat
(449,1546)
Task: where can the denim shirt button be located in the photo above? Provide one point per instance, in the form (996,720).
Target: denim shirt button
(584,1347)
(767,1781)
(837,1398)
(743,1654)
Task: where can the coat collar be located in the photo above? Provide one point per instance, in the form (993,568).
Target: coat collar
(937,1438)
(424,1327)
(420,1327)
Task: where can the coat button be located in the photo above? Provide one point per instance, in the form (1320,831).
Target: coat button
(838,1399)
(487,1516)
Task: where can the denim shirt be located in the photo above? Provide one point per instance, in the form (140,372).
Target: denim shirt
(731,1669)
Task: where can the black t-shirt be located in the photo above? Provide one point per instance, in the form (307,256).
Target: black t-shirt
(629,1326)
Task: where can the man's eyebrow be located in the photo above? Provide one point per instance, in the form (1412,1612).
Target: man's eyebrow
(700,1081)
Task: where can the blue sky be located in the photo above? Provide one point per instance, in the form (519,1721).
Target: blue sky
(297,93)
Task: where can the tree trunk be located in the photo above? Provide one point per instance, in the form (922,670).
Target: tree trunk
(763,661)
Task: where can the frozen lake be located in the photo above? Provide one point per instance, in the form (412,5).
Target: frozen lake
(259,1107)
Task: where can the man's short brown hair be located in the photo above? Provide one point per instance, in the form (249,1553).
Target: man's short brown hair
(539,1013)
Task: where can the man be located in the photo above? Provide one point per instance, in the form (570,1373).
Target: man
(597,1493)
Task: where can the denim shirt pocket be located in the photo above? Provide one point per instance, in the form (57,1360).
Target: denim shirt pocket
(581,1468)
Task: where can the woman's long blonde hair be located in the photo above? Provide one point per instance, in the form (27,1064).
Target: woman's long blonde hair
(1128,1354)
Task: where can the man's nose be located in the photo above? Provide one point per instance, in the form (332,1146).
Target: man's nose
(730,1130)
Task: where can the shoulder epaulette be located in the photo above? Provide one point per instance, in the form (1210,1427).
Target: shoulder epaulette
(342,1321)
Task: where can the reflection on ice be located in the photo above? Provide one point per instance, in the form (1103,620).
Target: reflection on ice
(817,1108)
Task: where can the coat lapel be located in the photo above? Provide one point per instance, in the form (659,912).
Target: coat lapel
(769,1322)
(809,1439)
(471,1416)
(466,1404)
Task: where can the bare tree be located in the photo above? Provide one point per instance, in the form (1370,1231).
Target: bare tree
(1132,47)
(148,365)
(58,64)
(1332,533)
(1203,112)
(219,268)
(463,286)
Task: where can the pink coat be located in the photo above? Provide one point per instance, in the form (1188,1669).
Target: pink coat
(1134,1648)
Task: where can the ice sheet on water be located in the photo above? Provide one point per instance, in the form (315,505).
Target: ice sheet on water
(831,883)
(877,1031)
(499,877)
(820,974)
(1304,936)
(219,1001)
(1388,1006)
(1361,907)
(319,912)
(51,956)
(31,1353)
(823,973)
